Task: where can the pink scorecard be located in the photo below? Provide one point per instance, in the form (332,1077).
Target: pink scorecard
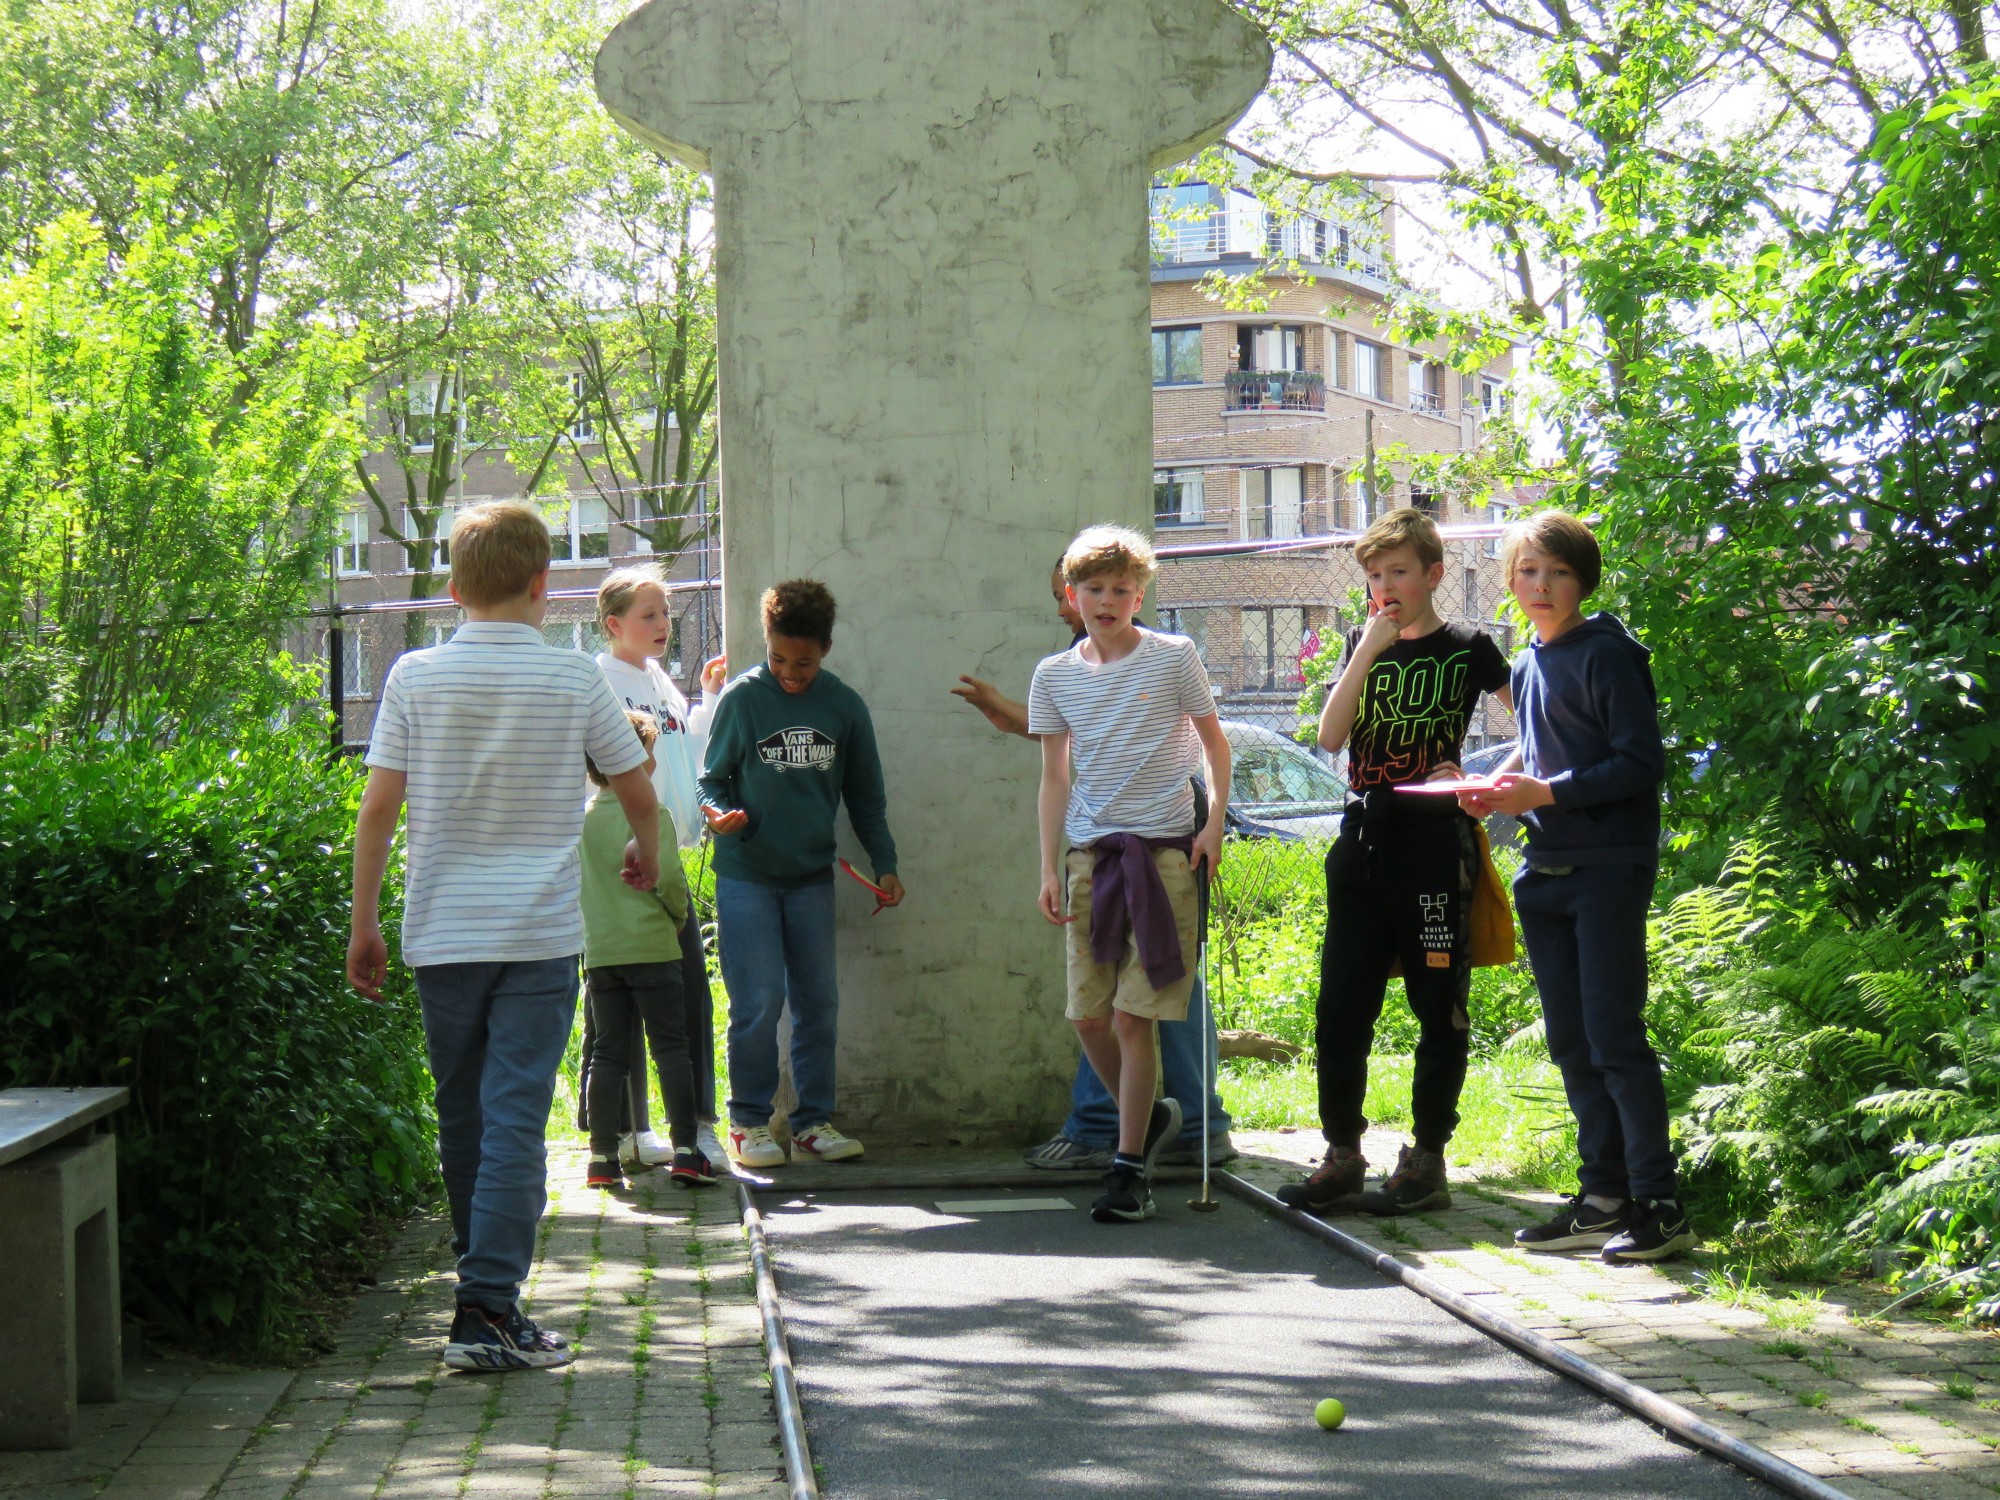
(1448,788)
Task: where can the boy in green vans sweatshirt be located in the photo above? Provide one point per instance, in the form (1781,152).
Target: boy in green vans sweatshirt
(788,744)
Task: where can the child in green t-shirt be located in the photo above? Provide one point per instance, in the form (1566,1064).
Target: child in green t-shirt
(631,961)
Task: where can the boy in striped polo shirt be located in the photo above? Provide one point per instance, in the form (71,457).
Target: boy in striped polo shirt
(483,737)
(1128,706)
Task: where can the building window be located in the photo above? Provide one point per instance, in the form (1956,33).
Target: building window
(583,428)
(1274,646)
(1186,225)
(350,544)
(1368,369)
(1496,515)
(573,635)
(1192,623)
(1177,497)
(1492,397)
(427,411)
(354,681)
(1426,385)
(1273,502)
(1427,501)
(579,530)
(427,554)
(1271,347)
(1176,356)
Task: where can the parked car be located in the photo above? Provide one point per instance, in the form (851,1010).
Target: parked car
(1280,789)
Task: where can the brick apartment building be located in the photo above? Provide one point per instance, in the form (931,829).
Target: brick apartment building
(1262,424)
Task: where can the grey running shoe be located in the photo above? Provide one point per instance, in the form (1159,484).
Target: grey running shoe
(1061,1154)
(1185,1153)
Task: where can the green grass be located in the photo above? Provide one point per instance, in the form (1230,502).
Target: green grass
(1512,1122)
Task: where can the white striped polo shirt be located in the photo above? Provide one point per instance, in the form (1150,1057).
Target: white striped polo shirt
(491,729)
(1130,736)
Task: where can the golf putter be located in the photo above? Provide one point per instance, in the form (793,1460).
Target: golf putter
(1205,1204)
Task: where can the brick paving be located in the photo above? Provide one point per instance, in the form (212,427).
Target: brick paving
(670,1396)
(1879,1409)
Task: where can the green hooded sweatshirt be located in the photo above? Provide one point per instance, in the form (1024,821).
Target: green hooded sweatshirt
(789,760)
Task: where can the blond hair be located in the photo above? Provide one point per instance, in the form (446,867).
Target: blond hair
(1557,534)
(621,588)
(644,725)
(1407,527)
(1098,550)
(497,550)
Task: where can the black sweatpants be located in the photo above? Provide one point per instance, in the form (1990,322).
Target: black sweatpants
(653,993)
(698,1005)
(1398,888)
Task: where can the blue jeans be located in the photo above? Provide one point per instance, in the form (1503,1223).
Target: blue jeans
(1586,936)
(777,950)
(495,1034)
(1093,1115)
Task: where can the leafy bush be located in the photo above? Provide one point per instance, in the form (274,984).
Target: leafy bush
(175,921)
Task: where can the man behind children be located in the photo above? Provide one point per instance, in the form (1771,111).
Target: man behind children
(1399,878)
(1128,704)
(484,736)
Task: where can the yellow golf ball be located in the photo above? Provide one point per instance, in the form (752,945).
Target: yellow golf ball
(1329,1413)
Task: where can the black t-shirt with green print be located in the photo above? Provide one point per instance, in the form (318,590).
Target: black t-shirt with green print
(1417,702)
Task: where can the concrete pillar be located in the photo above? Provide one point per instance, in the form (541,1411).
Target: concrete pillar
(932,282)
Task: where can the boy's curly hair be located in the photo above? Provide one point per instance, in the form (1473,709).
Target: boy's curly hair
(644,725)
(802,608)
(1098,550)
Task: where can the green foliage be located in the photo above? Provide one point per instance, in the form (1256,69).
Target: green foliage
(175,922)
(163,501)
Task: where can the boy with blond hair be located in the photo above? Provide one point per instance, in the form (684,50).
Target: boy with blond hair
(1400,876)
(1122,856)
(482,738)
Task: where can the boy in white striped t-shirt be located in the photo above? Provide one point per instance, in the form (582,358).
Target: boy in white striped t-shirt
(484,737)
(1129,706)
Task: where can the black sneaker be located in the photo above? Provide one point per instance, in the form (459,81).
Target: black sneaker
(1126,1198)
(481,1340)
(1577,1227)
(1336,1185)
(1161,1127)
(1658,1229)
(604,1172)
(1417,1186)
(691,1169)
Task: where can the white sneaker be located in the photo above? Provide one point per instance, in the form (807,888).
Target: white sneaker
(706,1143)
(828,1144)
(753,1146)
(646,1149)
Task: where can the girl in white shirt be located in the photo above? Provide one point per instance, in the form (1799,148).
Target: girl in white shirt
(633,613)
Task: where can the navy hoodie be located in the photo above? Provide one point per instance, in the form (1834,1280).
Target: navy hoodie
(1590,727)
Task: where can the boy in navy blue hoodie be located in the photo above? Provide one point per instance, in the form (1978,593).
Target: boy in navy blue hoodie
(1588,789)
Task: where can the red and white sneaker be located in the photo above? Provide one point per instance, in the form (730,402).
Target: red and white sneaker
(828,1144)
(754,1146)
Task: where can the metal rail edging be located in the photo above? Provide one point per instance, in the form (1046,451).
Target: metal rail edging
(1671,1416)
(799,1476)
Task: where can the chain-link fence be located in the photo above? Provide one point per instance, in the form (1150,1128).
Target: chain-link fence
(1259,611)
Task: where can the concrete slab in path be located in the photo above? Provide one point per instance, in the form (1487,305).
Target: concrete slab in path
(1008,1354)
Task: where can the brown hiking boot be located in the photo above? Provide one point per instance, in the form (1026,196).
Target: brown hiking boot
(1336,1185)
(1416,1186)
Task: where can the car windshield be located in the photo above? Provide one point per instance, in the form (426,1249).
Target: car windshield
(1267,776)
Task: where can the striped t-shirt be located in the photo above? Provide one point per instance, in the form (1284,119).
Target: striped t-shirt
(1130,737)
(491,728)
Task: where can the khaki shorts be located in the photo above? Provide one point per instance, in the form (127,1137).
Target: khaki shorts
(1096,989)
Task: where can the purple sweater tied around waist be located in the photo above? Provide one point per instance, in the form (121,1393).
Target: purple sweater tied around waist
(1127,895)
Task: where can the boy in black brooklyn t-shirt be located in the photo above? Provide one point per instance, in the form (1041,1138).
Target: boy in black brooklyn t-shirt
(1399,879)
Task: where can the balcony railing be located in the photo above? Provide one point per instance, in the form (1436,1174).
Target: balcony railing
(1273,390)
(1427,401)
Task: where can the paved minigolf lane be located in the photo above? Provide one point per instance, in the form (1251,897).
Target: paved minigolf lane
(953,1356)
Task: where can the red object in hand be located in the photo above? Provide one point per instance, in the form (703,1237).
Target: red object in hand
(881,896)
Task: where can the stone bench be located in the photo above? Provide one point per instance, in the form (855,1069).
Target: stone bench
(59,1254)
